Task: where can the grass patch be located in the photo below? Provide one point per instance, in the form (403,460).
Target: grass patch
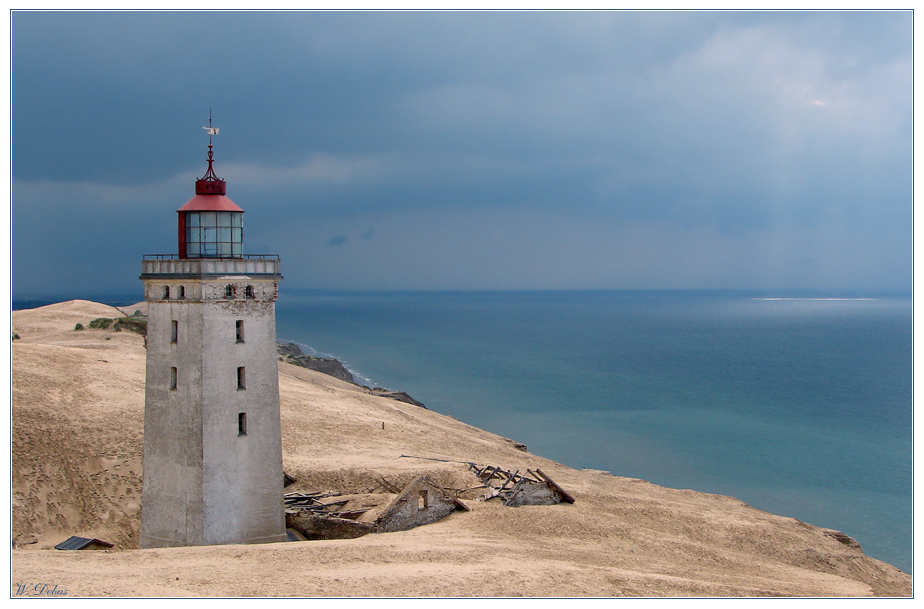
(130,324)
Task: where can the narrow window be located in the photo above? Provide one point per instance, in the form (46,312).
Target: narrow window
(229,291)
(242,423)
(173,379)
(182,292)
(422,501)
(166,292)
(241,384)
(248,292)
(173,332)
(239,330)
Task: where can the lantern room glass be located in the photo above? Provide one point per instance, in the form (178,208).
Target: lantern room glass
(214,234)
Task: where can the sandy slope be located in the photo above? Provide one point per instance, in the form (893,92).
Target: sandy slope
(78,400)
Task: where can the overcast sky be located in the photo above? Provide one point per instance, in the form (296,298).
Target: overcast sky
(471,150)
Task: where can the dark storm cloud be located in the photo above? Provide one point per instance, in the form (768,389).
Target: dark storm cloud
(486,149)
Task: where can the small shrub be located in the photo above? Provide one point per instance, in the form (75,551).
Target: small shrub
(138,326)
(15,336)
(78,327)
(100,323)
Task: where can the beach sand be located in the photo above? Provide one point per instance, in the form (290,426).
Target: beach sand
(77,416)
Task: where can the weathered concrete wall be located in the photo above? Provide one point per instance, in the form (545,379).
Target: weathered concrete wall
(171,501)
(204,482)
(242,473)
(408,511)
(315,527)
(534,494)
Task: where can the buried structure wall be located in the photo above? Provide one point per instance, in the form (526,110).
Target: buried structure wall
(317,526)
(421,502)
(534,494)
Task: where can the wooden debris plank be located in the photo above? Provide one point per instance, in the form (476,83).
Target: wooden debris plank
(388,486)
(350,515)
(327,505)
(308,496)
(314,494)
(320,507)
(567,497)
(510,478)
(308,501)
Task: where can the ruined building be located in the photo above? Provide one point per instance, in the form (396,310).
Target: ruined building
(335,516)
(212,441)
(421,502)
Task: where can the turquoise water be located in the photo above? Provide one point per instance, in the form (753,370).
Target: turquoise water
(797,404)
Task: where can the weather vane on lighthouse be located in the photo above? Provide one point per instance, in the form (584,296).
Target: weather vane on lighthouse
(210,129)
(210,183)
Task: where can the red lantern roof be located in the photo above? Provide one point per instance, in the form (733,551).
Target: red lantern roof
(210,203)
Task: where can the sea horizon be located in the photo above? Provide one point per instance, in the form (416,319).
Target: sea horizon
(120,297)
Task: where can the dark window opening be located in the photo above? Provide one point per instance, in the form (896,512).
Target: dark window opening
(242,424)
(174,331)
(182,294)
(239,330)
(173,379)
(166,292)
(241,382)
(229,291)
(248,292)
(423,501)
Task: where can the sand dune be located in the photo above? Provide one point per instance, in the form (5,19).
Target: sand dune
(77,412)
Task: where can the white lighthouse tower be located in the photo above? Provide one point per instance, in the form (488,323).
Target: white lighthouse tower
(212,439)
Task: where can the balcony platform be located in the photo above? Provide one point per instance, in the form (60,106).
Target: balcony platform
(171,266)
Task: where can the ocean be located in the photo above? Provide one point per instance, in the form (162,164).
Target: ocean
(798,404)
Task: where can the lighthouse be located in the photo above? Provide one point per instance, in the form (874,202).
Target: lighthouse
(212,439)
